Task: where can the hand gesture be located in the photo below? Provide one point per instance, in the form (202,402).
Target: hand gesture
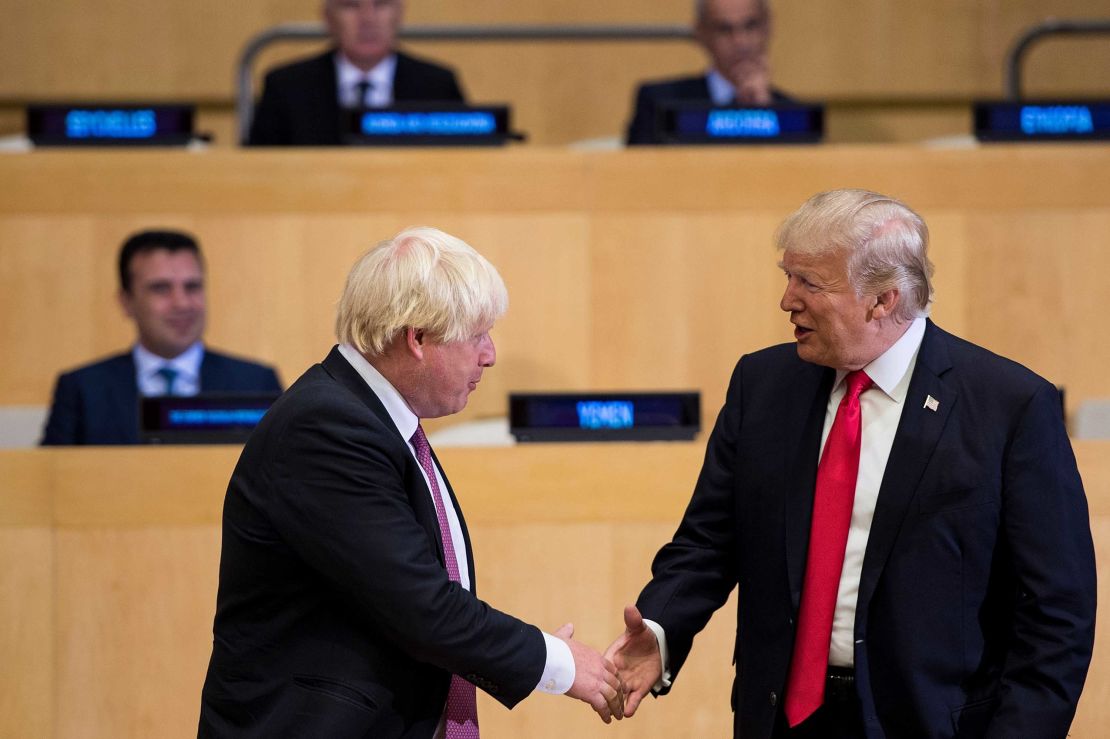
(636,656)
(595,678)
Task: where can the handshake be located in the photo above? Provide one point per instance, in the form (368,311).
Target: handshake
(615,683)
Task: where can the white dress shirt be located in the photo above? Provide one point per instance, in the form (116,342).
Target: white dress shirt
(559,671)
(721,91)
(186,365)
(380,78)
(881,408)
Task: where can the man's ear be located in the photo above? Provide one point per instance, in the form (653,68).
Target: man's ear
(886,304)
(414,341)
(124,299)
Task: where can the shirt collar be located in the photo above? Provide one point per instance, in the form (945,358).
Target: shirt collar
(186,364)
(403,417)
(380,75)
(721,91)
(889,369)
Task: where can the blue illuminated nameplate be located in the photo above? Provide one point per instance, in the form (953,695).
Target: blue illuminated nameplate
(452,125)
(1042,121)
(604,416)
(110,125)
(207,418)
(698,123)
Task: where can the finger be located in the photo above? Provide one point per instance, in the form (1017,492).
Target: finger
(633,621)
(602,708)
(613,701)
(565,631)
(632,702)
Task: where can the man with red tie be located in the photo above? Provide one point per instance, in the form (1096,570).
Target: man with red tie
(347,604)
(900,510)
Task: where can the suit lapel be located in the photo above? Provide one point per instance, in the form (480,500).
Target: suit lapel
(341,370)
(121,399)
(919,431)
(808,405)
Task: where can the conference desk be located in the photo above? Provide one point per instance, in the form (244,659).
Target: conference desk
(108,572)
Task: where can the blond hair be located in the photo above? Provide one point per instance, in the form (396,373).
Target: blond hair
(421,278)
(887,244)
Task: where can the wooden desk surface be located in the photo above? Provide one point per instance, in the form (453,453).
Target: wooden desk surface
(109,558)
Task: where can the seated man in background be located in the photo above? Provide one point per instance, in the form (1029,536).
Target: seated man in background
(735,35)
(162,290)
(301,102)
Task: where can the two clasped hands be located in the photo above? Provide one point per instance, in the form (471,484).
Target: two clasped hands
(614,683)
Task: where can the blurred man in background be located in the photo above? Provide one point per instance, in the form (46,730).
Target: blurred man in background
(161,289)
(302,103)
(736,35)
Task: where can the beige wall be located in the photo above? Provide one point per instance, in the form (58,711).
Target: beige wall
(108,579)
(922,57)
(625,270)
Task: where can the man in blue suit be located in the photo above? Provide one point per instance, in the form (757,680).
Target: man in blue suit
(900,509)
(161,276)
(736,35)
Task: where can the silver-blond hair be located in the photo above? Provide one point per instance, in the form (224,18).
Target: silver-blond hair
(887,244)
(421,278)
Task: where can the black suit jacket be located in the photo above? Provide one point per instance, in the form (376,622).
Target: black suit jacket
(975,613)
(99,403)
(300,101)
(650,97)
(335,615)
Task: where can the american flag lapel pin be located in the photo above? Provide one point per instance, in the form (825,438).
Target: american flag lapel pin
(931,403)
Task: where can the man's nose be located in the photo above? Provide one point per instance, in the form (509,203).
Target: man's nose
(789,301)
(488,356)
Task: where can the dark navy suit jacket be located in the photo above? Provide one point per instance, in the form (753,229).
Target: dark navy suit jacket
(976,605)
(300,101)
(335,615)
(99,403)
(651,96)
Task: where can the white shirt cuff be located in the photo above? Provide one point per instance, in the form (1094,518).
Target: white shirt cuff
(558,673)
(665,674)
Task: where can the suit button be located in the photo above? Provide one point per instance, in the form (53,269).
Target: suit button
(774,698)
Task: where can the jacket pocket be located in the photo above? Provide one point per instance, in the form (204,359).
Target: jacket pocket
(338,690)
(972,719)
(960,498)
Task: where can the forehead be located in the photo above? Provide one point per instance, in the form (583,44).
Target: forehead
(732,10)
(162,264)
(828,263)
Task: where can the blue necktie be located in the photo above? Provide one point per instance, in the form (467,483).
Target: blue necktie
(169,374)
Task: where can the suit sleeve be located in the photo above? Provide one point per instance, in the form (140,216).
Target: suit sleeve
(1046,523)
(340,500)
(641,130)
(694,573)
(268,125)
(65,413)
(455,91)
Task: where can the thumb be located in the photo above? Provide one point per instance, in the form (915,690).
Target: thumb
(566,631)
(633,621)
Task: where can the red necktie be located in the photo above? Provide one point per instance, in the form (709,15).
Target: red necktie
(828,535)
(462,707)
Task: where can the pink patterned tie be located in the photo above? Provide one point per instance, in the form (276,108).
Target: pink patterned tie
(462,706)
(828,535)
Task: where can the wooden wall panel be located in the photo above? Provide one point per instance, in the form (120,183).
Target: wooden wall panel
(625,269)
(108,578)
(840,50)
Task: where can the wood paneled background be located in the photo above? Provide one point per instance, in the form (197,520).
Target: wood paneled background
(891,70)
(108,581)
(626,270)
